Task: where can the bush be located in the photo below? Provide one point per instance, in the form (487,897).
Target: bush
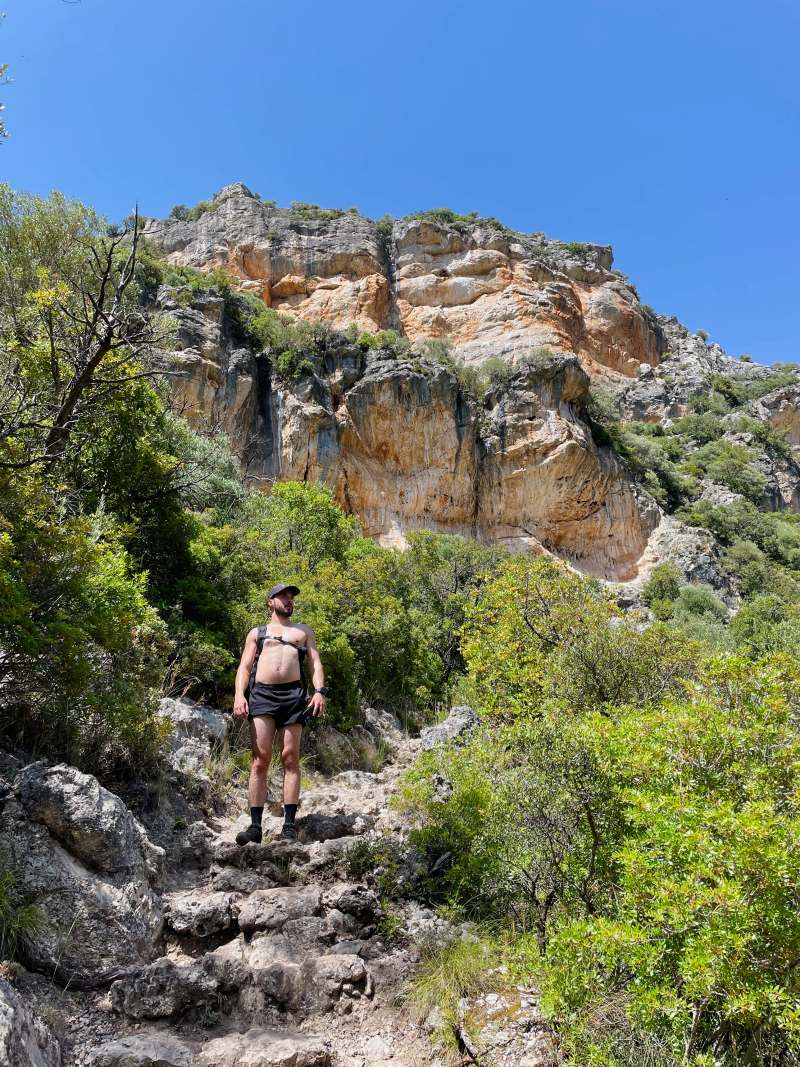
(696,946)
(315,213)
(732,465)
(663,584)
(18,918)
(290,366)
(388,341)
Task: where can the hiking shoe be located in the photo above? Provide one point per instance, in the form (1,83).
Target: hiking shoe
(252,833)
(288,833)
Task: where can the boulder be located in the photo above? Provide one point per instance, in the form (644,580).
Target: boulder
(316,827)
(270,909)
(264,1048)
(335,975)
(383,725)
(92,823)
(94,927)
(25,1041)
(354,900)
(141,1050)
(200,913)
(194,720)
(164,990)
(460,720)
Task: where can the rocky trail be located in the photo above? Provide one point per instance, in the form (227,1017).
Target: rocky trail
(170,946)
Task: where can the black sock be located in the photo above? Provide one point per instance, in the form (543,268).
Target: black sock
(255,815)
(289,812)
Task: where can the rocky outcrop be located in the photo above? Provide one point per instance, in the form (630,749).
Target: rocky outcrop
(25,1041)
(89,821)
(142,1050)
(461,720)
(263,1048)
(486,289)
(82,857)
(195,729)
(403,446)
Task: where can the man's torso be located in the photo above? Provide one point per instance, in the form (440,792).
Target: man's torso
(280,662)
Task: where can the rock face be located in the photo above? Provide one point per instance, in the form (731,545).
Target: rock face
(80,854)
(399,439)
(89,821)
(25,1041)
(403,447)
(486,289)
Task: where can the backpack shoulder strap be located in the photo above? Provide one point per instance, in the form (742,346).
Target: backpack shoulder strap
(261,636)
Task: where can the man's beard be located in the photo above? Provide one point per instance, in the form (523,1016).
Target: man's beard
(280,610)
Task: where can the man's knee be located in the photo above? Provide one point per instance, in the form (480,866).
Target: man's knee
(260,764)
(290,758)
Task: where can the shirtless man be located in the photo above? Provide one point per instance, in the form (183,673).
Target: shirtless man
(277,700)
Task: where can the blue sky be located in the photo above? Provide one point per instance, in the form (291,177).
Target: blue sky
(668,130)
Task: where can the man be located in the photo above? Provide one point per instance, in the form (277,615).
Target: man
(272,667)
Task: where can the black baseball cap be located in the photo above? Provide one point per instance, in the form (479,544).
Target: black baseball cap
(282,587)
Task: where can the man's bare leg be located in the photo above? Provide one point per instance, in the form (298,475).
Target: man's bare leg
(290,757)
(262,733)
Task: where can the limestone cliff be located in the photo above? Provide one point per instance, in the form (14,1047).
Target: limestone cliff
(404,446)
(486,289)
(398,437)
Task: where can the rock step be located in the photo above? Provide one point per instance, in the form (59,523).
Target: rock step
(249,987)
(254,1048)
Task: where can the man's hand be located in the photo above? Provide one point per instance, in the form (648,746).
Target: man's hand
(318,703)
(240,708)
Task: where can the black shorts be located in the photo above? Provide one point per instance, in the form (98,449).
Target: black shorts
(286,702)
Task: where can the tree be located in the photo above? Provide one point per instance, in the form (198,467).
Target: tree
(74,331)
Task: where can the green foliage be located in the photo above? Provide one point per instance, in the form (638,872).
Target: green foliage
(461,970)
(315,213)
(291,365)
(182,213)
(775,534)
(18,918)
(699,944)
(496,372)
(468,377)
(736,392)
(384,227)
(388,341)
(730,464)
(663,584)
(444,216)
(554,633)
(576,247)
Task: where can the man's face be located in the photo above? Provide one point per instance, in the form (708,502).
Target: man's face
(283,604)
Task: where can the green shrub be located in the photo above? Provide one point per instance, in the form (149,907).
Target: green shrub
(291,365)
(18,918)
(700,600)
(695,950)
(386,341)
(663,584)
(732,465)
(315,213)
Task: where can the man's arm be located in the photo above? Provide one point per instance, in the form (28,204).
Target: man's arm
(318,701)
(240,708)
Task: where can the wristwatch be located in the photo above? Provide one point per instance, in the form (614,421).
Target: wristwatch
(323,690)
